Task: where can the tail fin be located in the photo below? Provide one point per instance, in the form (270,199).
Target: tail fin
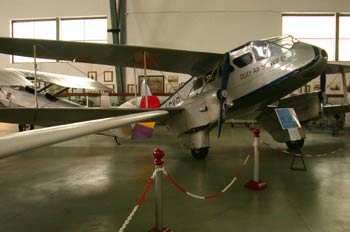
(144,130)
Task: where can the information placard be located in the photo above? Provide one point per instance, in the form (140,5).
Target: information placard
(288,118)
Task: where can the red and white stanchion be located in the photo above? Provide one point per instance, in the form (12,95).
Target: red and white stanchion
(256,184)
(158,162)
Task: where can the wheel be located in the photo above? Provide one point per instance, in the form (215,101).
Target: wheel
(200,153)
(295,145)
(25,127)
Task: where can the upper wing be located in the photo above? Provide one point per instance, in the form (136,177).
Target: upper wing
(41,137)
(13,78)
(189,62)
(10,77)
(337,67)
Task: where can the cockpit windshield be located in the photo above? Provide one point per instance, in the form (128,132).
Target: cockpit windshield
(286,41)
(267,48)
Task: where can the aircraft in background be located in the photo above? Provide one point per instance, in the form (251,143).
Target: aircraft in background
(16,89)
(248,82)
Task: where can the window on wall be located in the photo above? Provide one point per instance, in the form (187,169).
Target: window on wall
(319,30)
(344,37)
(92,30)
(84,30)
(36,29)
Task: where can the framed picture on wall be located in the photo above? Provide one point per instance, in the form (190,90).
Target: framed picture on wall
(155,83)
(108,76)
(132,88)
(92,75)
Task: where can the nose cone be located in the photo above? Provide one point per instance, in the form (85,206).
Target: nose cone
(324,54)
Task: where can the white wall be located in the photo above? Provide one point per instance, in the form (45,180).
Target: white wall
(202,25)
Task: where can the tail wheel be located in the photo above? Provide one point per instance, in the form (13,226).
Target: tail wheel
(295,145)
(200,153)
(25,127)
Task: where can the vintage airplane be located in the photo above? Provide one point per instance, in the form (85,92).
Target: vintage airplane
(248,82)
(16,89)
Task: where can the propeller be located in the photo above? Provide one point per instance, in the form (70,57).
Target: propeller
(323,87)
(323,84)
(222,92)
(322,94)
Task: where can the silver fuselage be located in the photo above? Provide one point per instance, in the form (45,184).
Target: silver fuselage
(263,72)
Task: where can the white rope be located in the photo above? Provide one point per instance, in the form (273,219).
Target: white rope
(195,196)
(230,184)
(127,221)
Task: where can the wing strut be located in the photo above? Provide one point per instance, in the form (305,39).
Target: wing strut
(145,73)
(35,78)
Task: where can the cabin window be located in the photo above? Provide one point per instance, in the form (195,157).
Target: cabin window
(243,60)
(260,49)
(263,50)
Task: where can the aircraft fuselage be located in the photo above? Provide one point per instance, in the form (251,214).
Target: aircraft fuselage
(262,72)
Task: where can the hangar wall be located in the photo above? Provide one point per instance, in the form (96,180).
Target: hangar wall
(36,9)
(201,25)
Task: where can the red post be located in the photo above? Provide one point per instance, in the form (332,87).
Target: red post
(256,184)
(158,162)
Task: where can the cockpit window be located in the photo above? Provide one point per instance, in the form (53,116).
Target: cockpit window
(263,50)
(243,60)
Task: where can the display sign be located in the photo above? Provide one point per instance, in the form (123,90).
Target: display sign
(288,118)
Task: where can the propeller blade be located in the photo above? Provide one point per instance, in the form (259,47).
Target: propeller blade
(221,116)
(226,69)
(222,93)
(323,86)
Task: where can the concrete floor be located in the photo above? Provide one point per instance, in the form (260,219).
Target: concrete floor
(92,184)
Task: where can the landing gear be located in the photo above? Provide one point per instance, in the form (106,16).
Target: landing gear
(200,153)
(295,145)
(25,127)
(116,140)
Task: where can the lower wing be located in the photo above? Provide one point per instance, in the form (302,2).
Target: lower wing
(42,137)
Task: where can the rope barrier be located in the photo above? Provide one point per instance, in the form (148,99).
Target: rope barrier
(178,186)
(162,169)
(139,201)
(285,151)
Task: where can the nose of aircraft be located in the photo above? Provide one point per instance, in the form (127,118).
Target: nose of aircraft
(324,54)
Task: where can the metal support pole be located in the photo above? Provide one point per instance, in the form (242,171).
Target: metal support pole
(343,75)
(158,163)
(256,157)
(145,74)
(118,23)
(135,86)
(256,184)
(35,79)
